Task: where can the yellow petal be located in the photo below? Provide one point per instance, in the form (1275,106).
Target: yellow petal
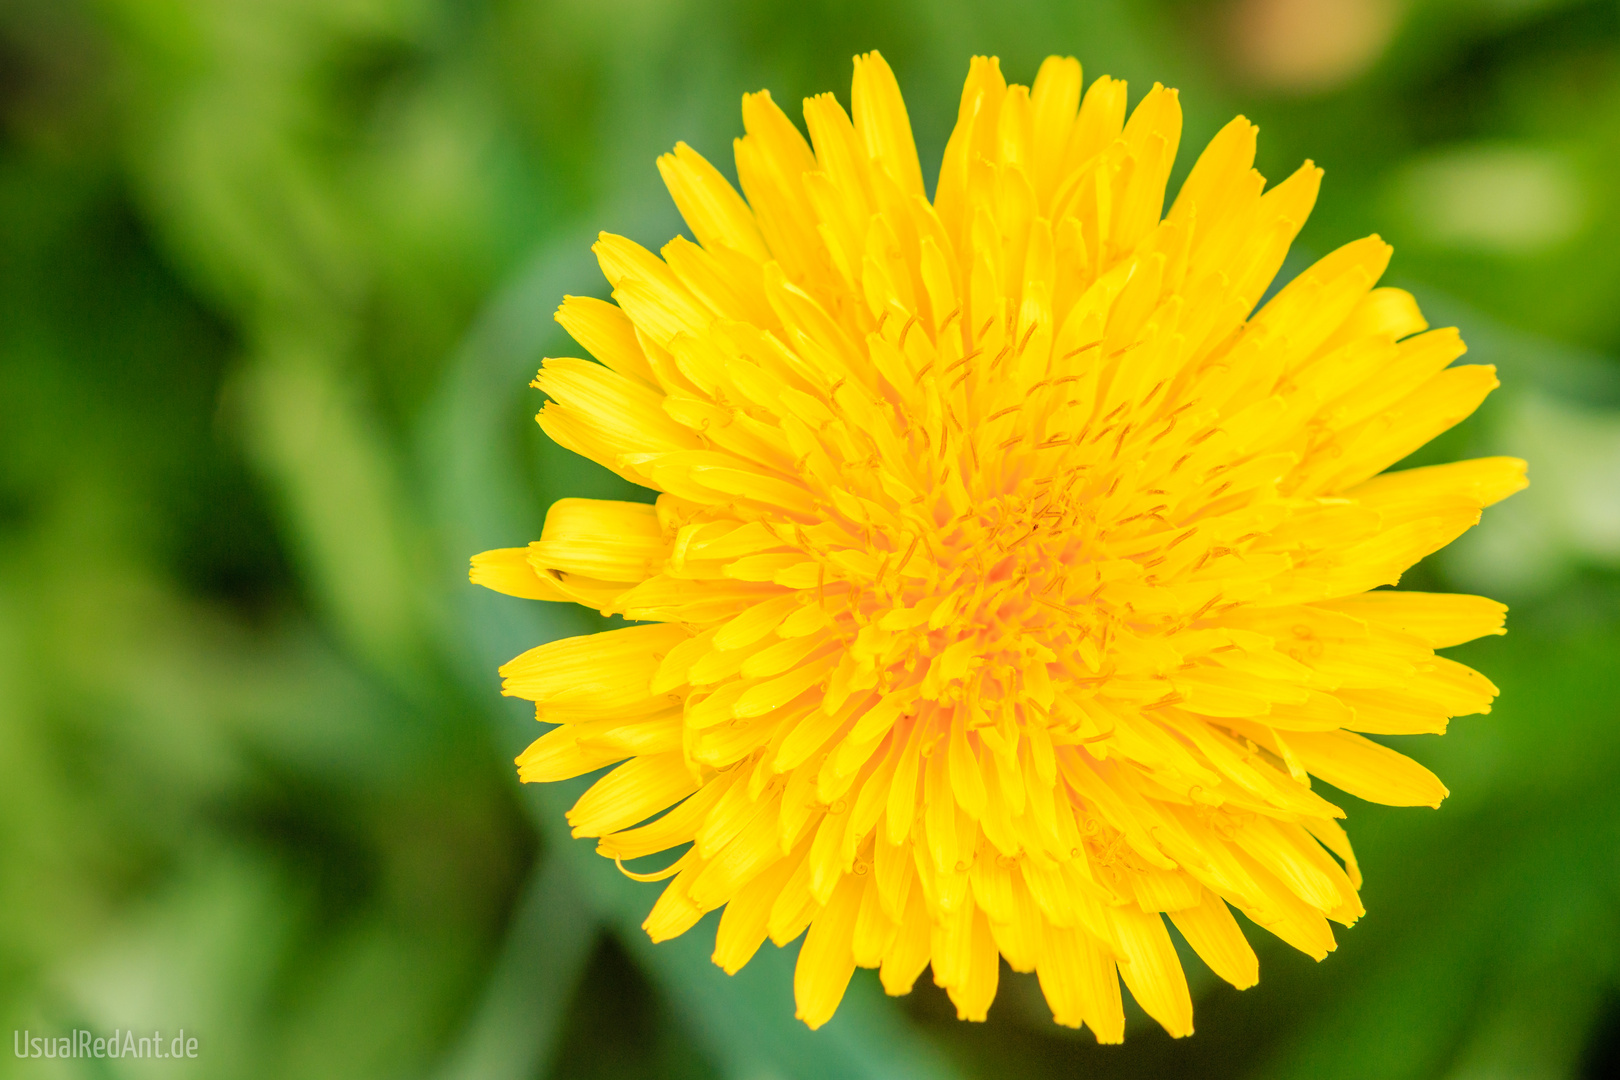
(716,213)
(608,334)
(1214,935)
(1081,985)
(1482,481)
(880,117)
(1152,972)
(507,570)
(742,927)
(633,792)
(1438,619)
(827,959)
(602,539)
(614,668)
(1366,769)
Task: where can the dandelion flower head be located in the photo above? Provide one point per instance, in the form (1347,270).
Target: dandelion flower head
(1011,576)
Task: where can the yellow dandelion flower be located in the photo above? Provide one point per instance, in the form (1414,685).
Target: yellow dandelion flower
(1011,576)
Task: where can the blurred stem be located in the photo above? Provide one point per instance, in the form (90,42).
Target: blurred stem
(515,1029)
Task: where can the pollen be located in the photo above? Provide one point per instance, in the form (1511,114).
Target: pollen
(1012,578)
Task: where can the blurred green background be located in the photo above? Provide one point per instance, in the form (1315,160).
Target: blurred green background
(273,277)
